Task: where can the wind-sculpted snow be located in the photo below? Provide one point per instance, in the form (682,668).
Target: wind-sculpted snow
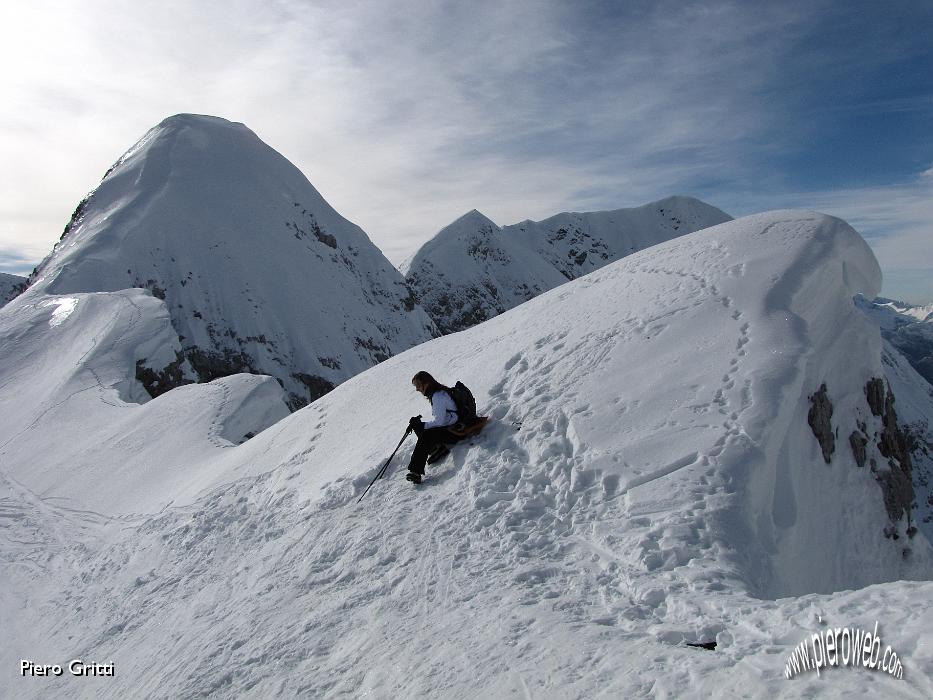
(648,480)
(78,427)
(473,270)
(258,272)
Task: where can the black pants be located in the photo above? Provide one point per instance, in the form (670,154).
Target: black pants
(427,441)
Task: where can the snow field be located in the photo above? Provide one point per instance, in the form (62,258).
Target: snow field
(80,429)
(648,479)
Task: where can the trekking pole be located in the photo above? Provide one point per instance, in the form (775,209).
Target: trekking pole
(383,470)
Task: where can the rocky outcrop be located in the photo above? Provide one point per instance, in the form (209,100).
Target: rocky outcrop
(882,445)
(158,381)
(317,387)
(11,286)
(895,480)
(820,420)
(858,441)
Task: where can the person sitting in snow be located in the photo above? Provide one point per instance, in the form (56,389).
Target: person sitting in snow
(433,436)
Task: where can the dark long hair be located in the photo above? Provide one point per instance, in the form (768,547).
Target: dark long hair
(433,385)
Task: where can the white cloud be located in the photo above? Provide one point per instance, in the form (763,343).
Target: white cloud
(403,115)
(896,220)
(406,115)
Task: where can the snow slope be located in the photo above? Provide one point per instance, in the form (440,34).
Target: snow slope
(649,479)
(473,270)
(79,427)
(10,287)
(258,272)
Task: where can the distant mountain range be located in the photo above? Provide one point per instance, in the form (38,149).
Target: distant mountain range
(260,274)
(909,328)
(473,270)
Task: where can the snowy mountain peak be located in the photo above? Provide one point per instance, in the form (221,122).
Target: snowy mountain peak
(473,270)
(203,121)
(476,215)
(678,202)
(200,126)
(259,273)
(470,223)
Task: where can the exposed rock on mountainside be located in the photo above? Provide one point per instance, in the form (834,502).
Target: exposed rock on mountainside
(895,474)
(820,420)
(878,440)
(473,270)
(11,286)
(258,272)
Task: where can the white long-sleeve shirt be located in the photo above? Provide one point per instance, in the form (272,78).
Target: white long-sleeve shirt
(444,409)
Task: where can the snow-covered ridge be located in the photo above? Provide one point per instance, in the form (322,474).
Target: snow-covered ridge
(11,286)
(80,426)
(649,479)
(903,309)
(473,269)
(259,273)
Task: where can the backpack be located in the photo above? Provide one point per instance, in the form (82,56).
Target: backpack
(465,403)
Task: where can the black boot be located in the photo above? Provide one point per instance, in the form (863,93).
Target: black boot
(438,453)
(414,477)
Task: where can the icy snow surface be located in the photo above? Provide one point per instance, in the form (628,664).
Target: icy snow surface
(63,308)
(649,479)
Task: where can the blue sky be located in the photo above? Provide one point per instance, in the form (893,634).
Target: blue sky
(405,115)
